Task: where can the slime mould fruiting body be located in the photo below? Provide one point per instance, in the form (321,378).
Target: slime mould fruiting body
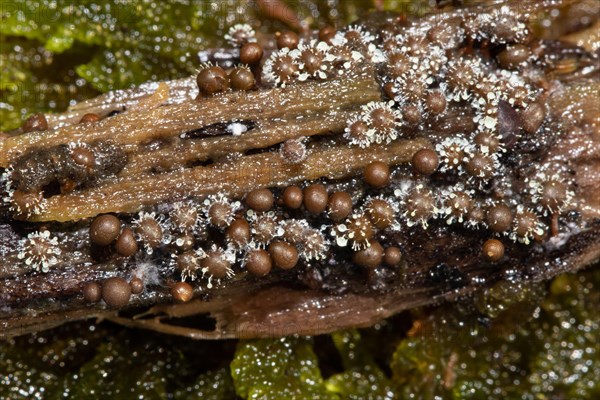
(367,160)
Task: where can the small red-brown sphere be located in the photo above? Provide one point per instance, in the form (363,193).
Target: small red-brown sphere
(89,117)
(315,198)
(104,229)
(369,257)
(327,33)
(242,79)
(212,80)
(251,53)
(493,250)
(500,218)
(425,161)
(83,156)
(284,255)
(238,233)
(287,39)
(260,199)
(392,256)
(339,205)
(92,292)
(37,122)
(137,285)
(258,262)
(292,197)
(377,174)
(182,292)
(116,292)
(126,244)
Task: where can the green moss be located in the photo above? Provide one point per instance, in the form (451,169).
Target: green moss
(529,351)
(277,369)
(212,385)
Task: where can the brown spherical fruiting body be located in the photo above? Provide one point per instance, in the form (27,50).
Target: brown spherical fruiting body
(499,218)
(292,197)
(553,194)
(260,199)
(182,292)
(525,223)
(212,80)
(293,151)
(390,90)
(126,244)
(284,255)
(185,241)
(381,213)
(369,257)
(435,102)
(187,262)
(89,117)
(489,140)
(137,285)
(284,68)
(184,218)
(242,79)
(327,33)
(377,174)
(425,161)
(392,256)
(238,233)
(104,229)
(258,262)
(216,264)
(513,56)
(150,231)
(36,122)
(383,119)
(359,131)
(220,214)
(287,39)
(420,205)
(264,229)
(493,250)
(293,231)
(397,65)
(339,206)
(460,205)
(251,53)
(83,156)
(533,117)
(92,292)
(315,198)
(360,229)
(116,292)
(412,114)
(480,165)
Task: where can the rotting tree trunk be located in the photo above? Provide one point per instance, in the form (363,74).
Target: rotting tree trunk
(164,166)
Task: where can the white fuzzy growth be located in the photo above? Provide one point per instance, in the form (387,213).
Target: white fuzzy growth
(367,139)
(446,150)
(383,134)
(162,223)
(39,251)
(269,74)
(236,128)
(246,29)
(316,47)
(147,272)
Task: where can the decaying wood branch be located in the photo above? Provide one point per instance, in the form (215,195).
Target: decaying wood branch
(170,149)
